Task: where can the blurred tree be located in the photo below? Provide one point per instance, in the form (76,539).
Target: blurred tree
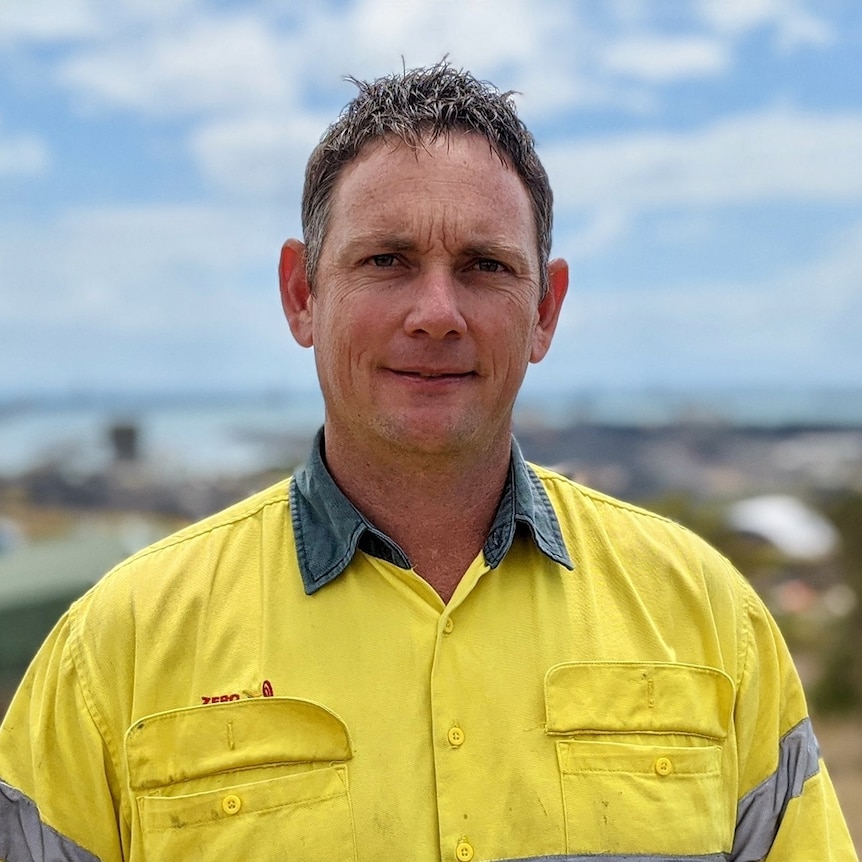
(840,687)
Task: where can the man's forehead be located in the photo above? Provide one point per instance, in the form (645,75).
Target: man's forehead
(396,173)
(470,145)
(424,140)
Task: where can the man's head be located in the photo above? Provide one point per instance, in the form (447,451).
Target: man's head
(415,107)
(424,284)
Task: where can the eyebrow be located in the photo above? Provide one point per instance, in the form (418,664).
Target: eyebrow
(498,250)
(384,240)
(393,243)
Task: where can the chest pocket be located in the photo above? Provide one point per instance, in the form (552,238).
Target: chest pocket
(256,779)
(639,748)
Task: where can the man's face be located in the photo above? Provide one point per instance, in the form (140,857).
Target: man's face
(426,307)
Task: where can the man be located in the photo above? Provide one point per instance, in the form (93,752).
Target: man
(420,647)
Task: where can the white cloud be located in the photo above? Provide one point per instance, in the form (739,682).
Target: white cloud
(84,21)
(257,156)
(662,59)
(479,30)
(734,16)
(131,267)
(177,296)
(797,326)
(775,155)
(47,21)
(791,20)
(205,65)
(604,229)
(23,155)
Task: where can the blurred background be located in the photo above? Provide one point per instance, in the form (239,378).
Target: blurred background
(706,157)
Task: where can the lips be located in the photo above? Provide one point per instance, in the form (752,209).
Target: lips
(432,375)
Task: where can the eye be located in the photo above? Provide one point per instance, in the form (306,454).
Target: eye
(487,265)
(383,260)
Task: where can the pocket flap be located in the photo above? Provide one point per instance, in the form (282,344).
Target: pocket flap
(638,697)
(196,741)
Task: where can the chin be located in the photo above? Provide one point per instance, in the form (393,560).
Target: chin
(435,438)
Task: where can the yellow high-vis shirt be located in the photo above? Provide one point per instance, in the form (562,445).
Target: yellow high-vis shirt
(276,683)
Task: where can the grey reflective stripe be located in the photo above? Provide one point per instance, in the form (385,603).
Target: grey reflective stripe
(25,838)
(604,857)
(760,812)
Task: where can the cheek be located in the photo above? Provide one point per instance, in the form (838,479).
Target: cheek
(330,346)
(341,342)
(514,334)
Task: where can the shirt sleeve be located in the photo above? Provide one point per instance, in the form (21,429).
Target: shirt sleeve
(59,793)
(788,810)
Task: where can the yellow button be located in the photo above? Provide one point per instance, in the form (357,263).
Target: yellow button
(231,804)
(448,625)
(663,766)
(455,736)
(464,851)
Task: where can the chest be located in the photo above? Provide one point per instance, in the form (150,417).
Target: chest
(369,720)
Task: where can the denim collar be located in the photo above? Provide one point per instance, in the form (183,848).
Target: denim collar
(329,529)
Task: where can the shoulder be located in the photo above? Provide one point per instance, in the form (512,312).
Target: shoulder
(188,562)
(602,529)
(247,514)
(150,612)
(573,500)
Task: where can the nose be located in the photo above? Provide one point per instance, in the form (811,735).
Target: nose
(435,308)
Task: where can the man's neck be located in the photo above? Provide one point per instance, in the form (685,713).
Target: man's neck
(438,508)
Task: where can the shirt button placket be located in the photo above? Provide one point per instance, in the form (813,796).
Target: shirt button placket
(452,748)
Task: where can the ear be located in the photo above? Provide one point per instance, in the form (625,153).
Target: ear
(549,308)
(296,298)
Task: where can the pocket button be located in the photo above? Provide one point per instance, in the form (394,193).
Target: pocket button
(663,766)
(464,851)
(231,804)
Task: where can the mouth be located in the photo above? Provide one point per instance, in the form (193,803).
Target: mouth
(435,375)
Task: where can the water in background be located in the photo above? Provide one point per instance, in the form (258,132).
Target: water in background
(235,435)
(176,436)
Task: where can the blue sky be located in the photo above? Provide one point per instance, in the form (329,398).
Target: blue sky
(706,157)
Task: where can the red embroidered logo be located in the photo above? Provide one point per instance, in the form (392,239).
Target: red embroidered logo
(219,698)
(263,690)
